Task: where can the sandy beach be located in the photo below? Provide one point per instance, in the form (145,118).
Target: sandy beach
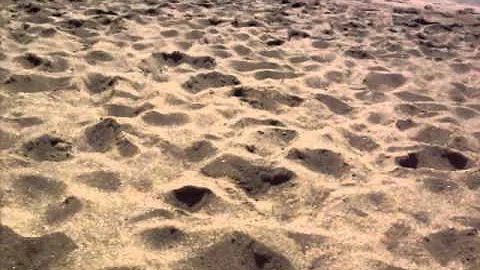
(239,135)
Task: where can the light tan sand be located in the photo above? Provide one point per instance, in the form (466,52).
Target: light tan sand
(231,135)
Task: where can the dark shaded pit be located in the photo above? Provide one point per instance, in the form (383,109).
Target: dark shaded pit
(165,119)
(307,241)
(64,210)
(192,197)
(359,54)
(94,57)
(275,75)
(451,245)
(249,121)
(472,180)
(361,142)
(334,104)
(242,50)
(102,136)
(162,237)
(247,66)
(409,161)
(438,185)
(433,135)
(199,151)
(53,63)
(214,79)
(377,81)
(435,158)
(126,148)
(412,97)
(30,60)
(394,235)
(404,124)
(265,98)
(48,148)
(177,58)
(238,251)
(38,187)
(103,180)
(98,83)
(278,135)
(119,110)
(44,252)
(254,179)
(320,160)
(275,42)
(34,83)
(7,140)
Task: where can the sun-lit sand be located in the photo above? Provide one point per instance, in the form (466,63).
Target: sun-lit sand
(239,135)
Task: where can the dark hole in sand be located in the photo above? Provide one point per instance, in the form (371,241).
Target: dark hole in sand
(457,160)
(410,161)
(261,260)
(275,42)
(191,195)
(33,60)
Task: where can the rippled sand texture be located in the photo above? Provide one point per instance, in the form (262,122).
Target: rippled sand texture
(239,135)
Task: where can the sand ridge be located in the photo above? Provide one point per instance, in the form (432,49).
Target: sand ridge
(244,135)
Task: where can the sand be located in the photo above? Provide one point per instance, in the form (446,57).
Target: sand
(239,135)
